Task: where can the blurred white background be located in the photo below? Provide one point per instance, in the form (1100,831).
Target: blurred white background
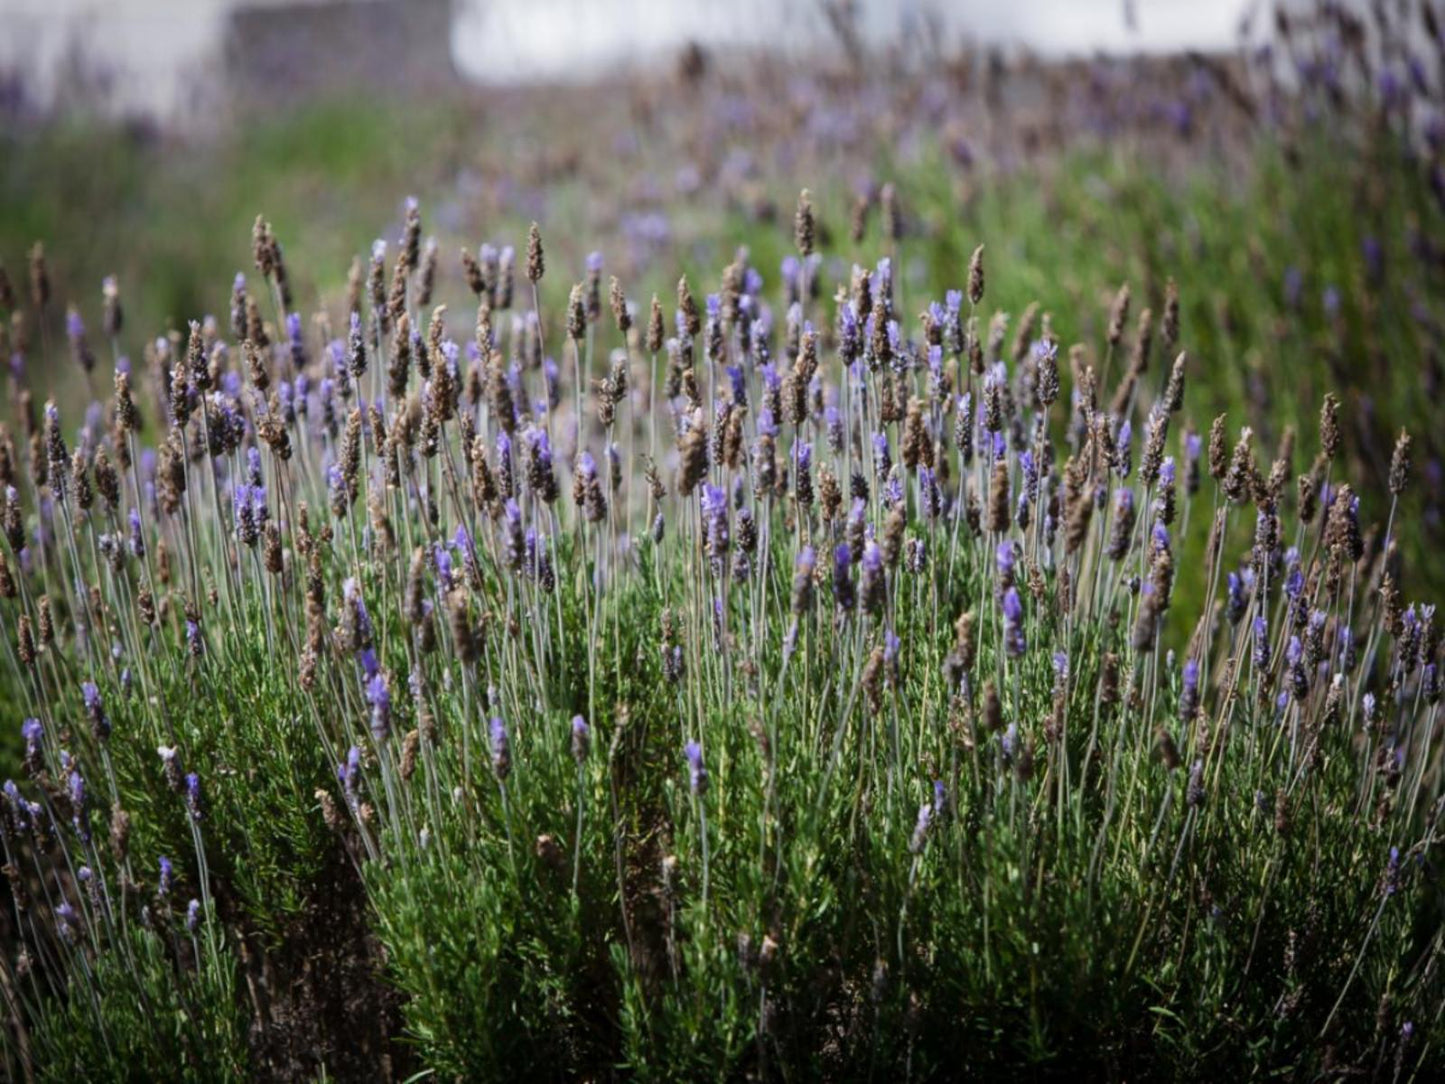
(153,54)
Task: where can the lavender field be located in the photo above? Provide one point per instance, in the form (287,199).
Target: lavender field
(889,566)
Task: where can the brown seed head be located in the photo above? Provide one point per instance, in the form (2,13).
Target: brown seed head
(692,319)
(975,276)
(1118,316)
(1400,464)
(1330,426)
(803,226)
(536,262)
(1218,449)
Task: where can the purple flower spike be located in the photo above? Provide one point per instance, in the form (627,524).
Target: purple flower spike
(32,731)
(378,695)
(842,577)
(195,800)
(581,739)
(1261,643)
(349,773)
(873,584)
(1189,690)
(501,749)
(1005,557)
(920,829)
(1013,616)
(697,773)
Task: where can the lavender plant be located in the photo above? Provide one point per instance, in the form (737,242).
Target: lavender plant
(788,687)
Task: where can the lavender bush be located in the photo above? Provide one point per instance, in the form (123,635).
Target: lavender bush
(626,772)
(789,676)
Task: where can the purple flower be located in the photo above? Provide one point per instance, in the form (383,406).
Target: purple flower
(514,542)
(940,800)
(1013,616)
(166,878)
(501,744)
(833,424)
(842,577)
(697,774)
(1261,643)
(892,644)
(1392,872)
(1123,448)
(920,828)
(79,812)
(137,539)
(378,695)
(893,489)
(882,456)
(850,339)
(1294,583)
(873,585)
(738,380)
(581,739)
(935,360)
(442,560)
(1005,557)
(1189,690)
(930,496)
(193,916)
(95,710)
(65,919)
(1236,599)
(32,731)
(504,457)
(349,773)
(195,800)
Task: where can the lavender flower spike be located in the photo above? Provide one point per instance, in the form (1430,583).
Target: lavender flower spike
(501,749)
(1013,617)
(697,774)
(920,829)
(581,739)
